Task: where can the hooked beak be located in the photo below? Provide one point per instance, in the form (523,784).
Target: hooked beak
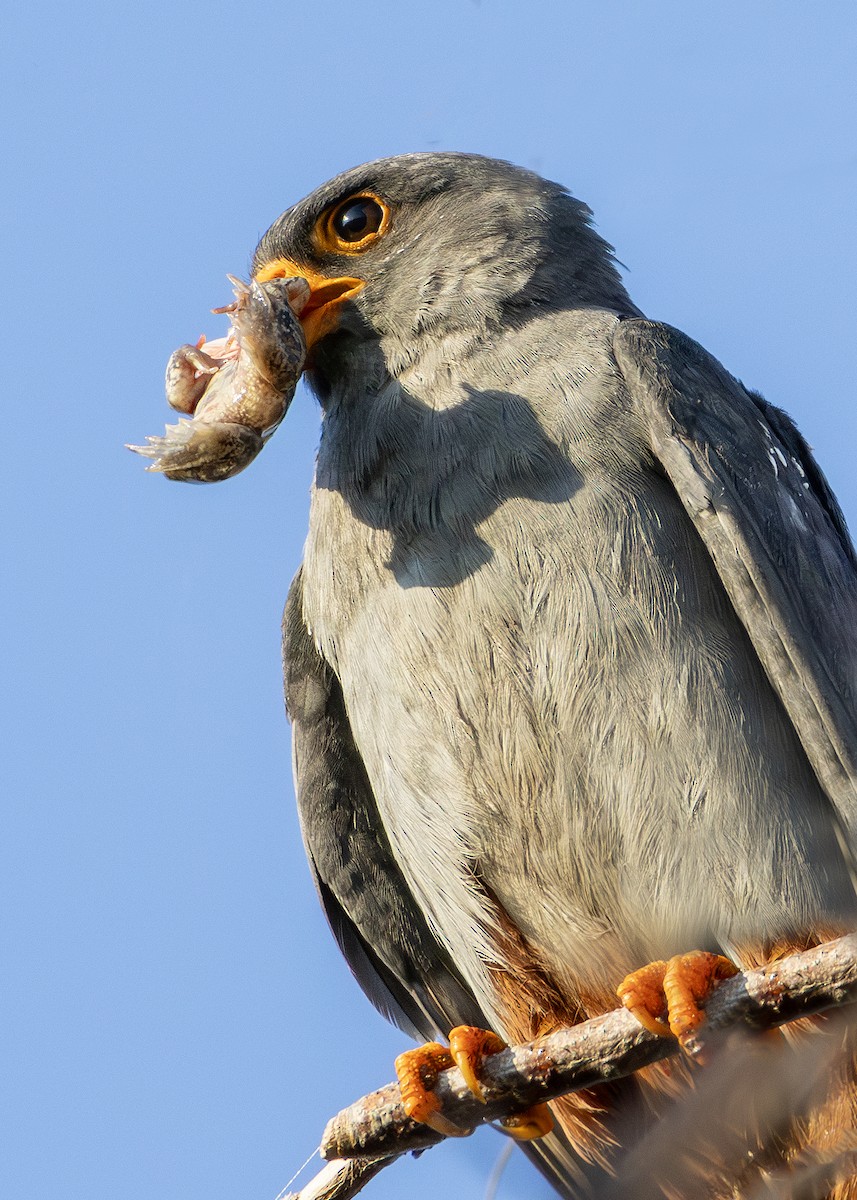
(320,314)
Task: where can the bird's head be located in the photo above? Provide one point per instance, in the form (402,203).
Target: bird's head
(410,249)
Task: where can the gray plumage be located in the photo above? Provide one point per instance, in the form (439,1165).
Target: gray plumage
(571,649)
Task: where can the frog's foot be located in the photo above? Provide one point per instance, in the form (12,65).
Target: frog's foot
(241,291)
(418,1071)
(189,372)
(202,451)
(665,997)
(296,290)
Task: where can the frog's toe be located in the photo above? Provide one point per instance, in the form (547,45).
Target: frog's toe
(189,372)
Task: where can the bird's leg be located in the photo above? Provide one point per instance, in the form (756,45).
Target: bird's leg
(417,1071)
(665,997)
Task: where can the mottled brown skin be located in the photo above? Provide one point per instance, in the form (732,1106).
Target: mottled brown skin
(238,390)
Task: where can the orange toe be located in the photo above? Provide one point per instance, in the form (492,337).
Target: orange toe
(642,993)
(675,990)
(469,1046)
(530,1124)
(688,981)
(417,1072)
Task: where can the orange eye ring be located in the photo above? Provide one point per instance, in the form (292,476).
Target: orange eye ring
(351,226)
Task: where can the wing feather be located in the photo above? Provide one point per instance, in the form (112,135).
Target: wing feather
(773,528)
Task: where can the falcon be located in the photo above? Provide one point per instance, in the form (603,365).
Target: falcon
(570,658)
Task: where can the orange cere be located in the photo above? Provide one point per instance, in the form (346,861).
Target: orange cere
(320,314)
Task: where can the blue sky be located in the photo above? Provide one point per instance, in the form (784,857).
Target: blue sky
(177,1021)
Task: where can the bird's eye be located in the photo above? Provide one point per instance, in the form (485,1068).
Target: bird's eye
(357,218)
(354,224)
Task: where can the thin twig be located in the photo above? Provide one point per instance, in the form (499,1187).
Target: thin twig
(341,1178)
(497,1170)
(375,1130)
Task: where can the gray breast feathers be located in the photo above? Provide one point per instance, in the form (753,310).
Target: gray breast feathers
(377,923)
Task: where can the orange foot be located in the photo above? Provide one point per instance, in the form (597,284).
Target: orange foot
(674,990)
(418,1071)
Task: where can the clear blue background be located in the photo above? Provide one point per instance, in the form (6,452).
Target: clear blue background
(177,1023)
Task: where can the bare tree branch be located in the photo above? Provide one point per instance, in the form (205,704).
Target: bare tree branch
(341,1178)
(375,1130)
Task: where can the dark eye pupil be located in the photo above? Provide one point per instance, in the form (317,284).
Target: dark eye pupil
(356,219)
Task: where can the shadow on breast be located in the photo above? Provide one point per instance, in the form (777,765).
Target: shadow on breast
(430,476)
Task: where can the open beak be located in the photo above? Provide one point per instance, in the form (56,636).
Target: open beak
(320,314)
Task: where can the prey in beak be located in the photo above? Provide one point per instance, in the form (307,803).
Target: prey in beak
(320,314)
(236,389)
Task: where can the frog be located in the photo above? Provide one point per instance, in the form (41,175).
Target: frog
(235,390)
